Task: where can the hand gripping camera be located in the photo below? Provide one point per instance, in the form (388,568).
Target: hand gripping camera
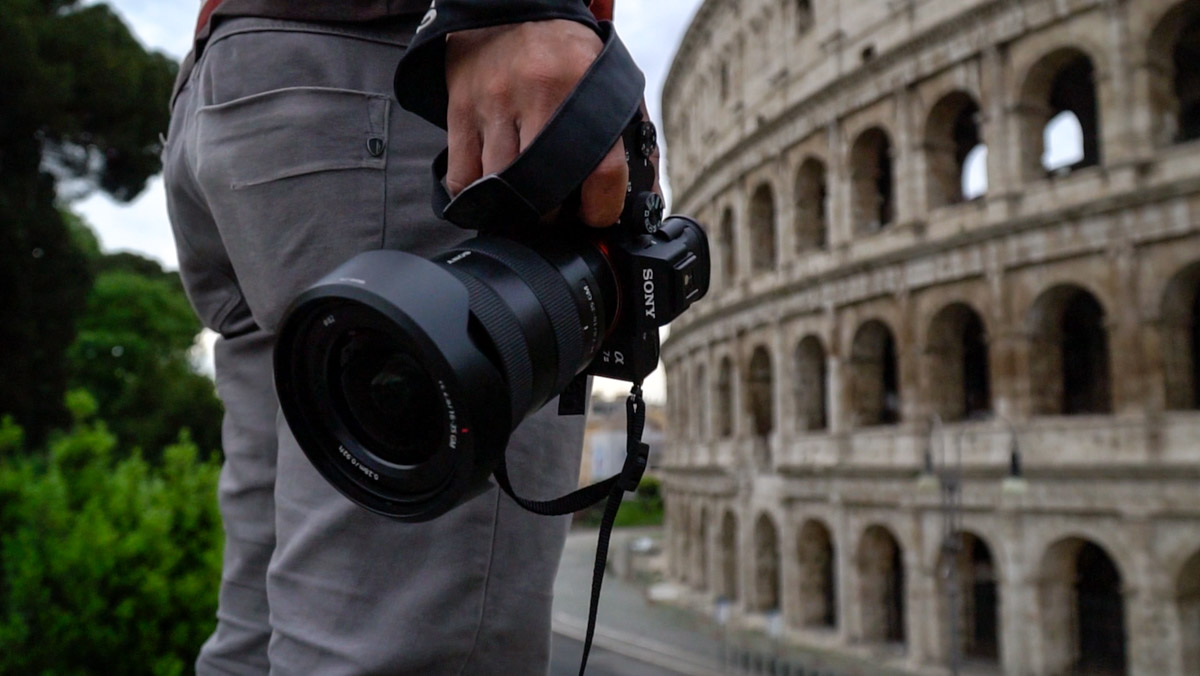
(403,377)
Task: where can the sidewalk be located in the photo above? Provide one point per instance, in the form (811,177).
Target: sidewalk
(627,623)
(671,637)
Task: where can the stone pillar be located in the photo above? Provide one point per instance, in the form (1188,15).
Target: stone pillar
(841,227)
(1127,366)
(994,123)
(907,172)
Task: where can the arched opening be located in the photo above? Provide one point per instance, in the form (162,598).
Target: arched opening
(1174,51)
(1060,89)
(951,136)
(958,354)
(762,229)
(701,416)
(1181,340)
(1083,610)
(975,180)
(766,565)
(873,187)
(1063,142)
(728,557)
(759,386)
(812,206)
(875,376)
(725,398)
(968,597)
(818,576)
(701,549)
(1188,606)
(880,564)
(728,247)
(1069,360)
(805,19)
(810,385)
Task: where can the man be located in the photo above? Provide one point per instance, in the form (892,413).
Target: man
(287,155)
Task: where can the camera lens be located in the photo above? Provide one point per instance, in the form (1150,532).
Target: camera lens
(390,399)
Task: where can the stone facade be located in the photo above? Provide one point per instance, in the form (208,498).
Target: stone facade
(879,333)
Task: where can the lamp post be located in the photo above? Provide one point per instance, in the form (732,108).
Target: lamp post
(721,612)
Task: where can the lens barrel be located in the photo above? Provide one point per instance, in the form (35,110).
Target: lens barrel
(402,378)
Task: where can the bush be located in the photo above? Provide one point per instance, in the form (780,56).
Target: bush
(643,508)
(106,566)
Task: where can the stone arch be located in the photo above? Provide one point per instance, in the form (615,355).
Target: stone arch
(766,565)
(701,406)
(724,402)
(1174,62)
(1187,602)
(1063,81)
(701,549)
(805,17)
(1082,610)
(760,386)
(968,591)
(1068,355)
(817,588)
(728,243)
(873,181)
(880,566)
(1181,340)
(952,133)
(875,375)
(812,206)
(762,229)
(957,351)
(811,383)
(727,557)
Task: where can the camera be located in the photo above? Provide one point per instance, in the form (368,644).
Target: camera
(403,377)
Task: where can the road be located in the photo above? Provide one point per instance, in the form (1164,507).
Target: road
(564,661)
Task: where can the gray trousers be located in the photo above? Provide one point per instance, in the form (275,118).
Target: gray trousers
(273,178)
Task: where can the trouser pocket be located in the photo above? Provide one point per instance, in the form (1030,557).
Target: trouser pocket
(296,182)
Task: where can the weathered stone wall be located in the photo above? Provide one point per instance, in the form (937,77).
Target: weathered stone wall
(1046,332)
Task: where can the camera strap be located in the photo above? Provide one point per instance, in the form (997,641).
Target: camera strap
(556,163)
(637,456)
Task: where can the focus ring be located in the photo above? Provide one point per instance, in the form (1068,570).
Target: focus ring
(506,335)
(552,290)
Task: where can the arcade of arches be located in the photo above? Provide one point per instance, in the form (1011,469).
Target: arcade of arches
(972,262)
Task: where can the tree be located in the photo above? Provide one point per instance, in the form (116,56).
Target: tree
(84,104)
(107,565)
(132,353)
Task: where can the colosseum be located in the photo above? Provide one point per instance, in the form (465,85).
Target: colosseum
(942,405)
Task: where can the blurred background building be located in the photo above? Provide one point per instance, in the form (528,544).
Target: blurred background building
(940,406)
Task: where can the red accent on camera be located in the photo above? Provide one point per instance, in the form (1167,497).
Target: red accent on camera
(602,9)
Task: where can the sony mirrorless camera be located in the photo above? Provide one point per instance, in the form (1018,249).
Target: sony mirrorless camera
(403,377)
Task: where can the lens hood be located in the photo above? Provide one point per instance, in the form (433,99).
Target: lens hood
(404,307)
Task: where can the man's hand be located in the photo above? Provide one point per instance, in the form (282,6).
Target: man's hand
(505,83)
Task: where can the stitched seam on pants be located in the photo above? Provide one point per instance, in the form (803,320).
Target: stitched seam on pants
(487,583)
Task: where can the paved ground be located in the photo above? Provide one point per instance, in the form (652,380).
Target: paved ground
(564,661)
(637,638)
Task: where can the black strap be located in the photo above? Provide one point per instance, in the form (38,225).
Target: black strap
(567,150)
(637,455)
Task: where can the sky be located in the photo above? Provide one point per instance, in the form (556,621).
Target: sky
(651,29)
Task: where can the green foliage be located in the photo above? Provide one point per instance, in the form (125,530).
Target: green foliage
(643,508)
(131,351)
(84,104)
(106,566)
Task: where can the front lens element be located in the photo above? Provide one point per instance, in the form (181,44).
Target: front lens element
(390,398)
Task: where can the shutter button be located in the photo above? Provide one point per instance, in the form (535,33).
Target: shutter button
(376,146)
